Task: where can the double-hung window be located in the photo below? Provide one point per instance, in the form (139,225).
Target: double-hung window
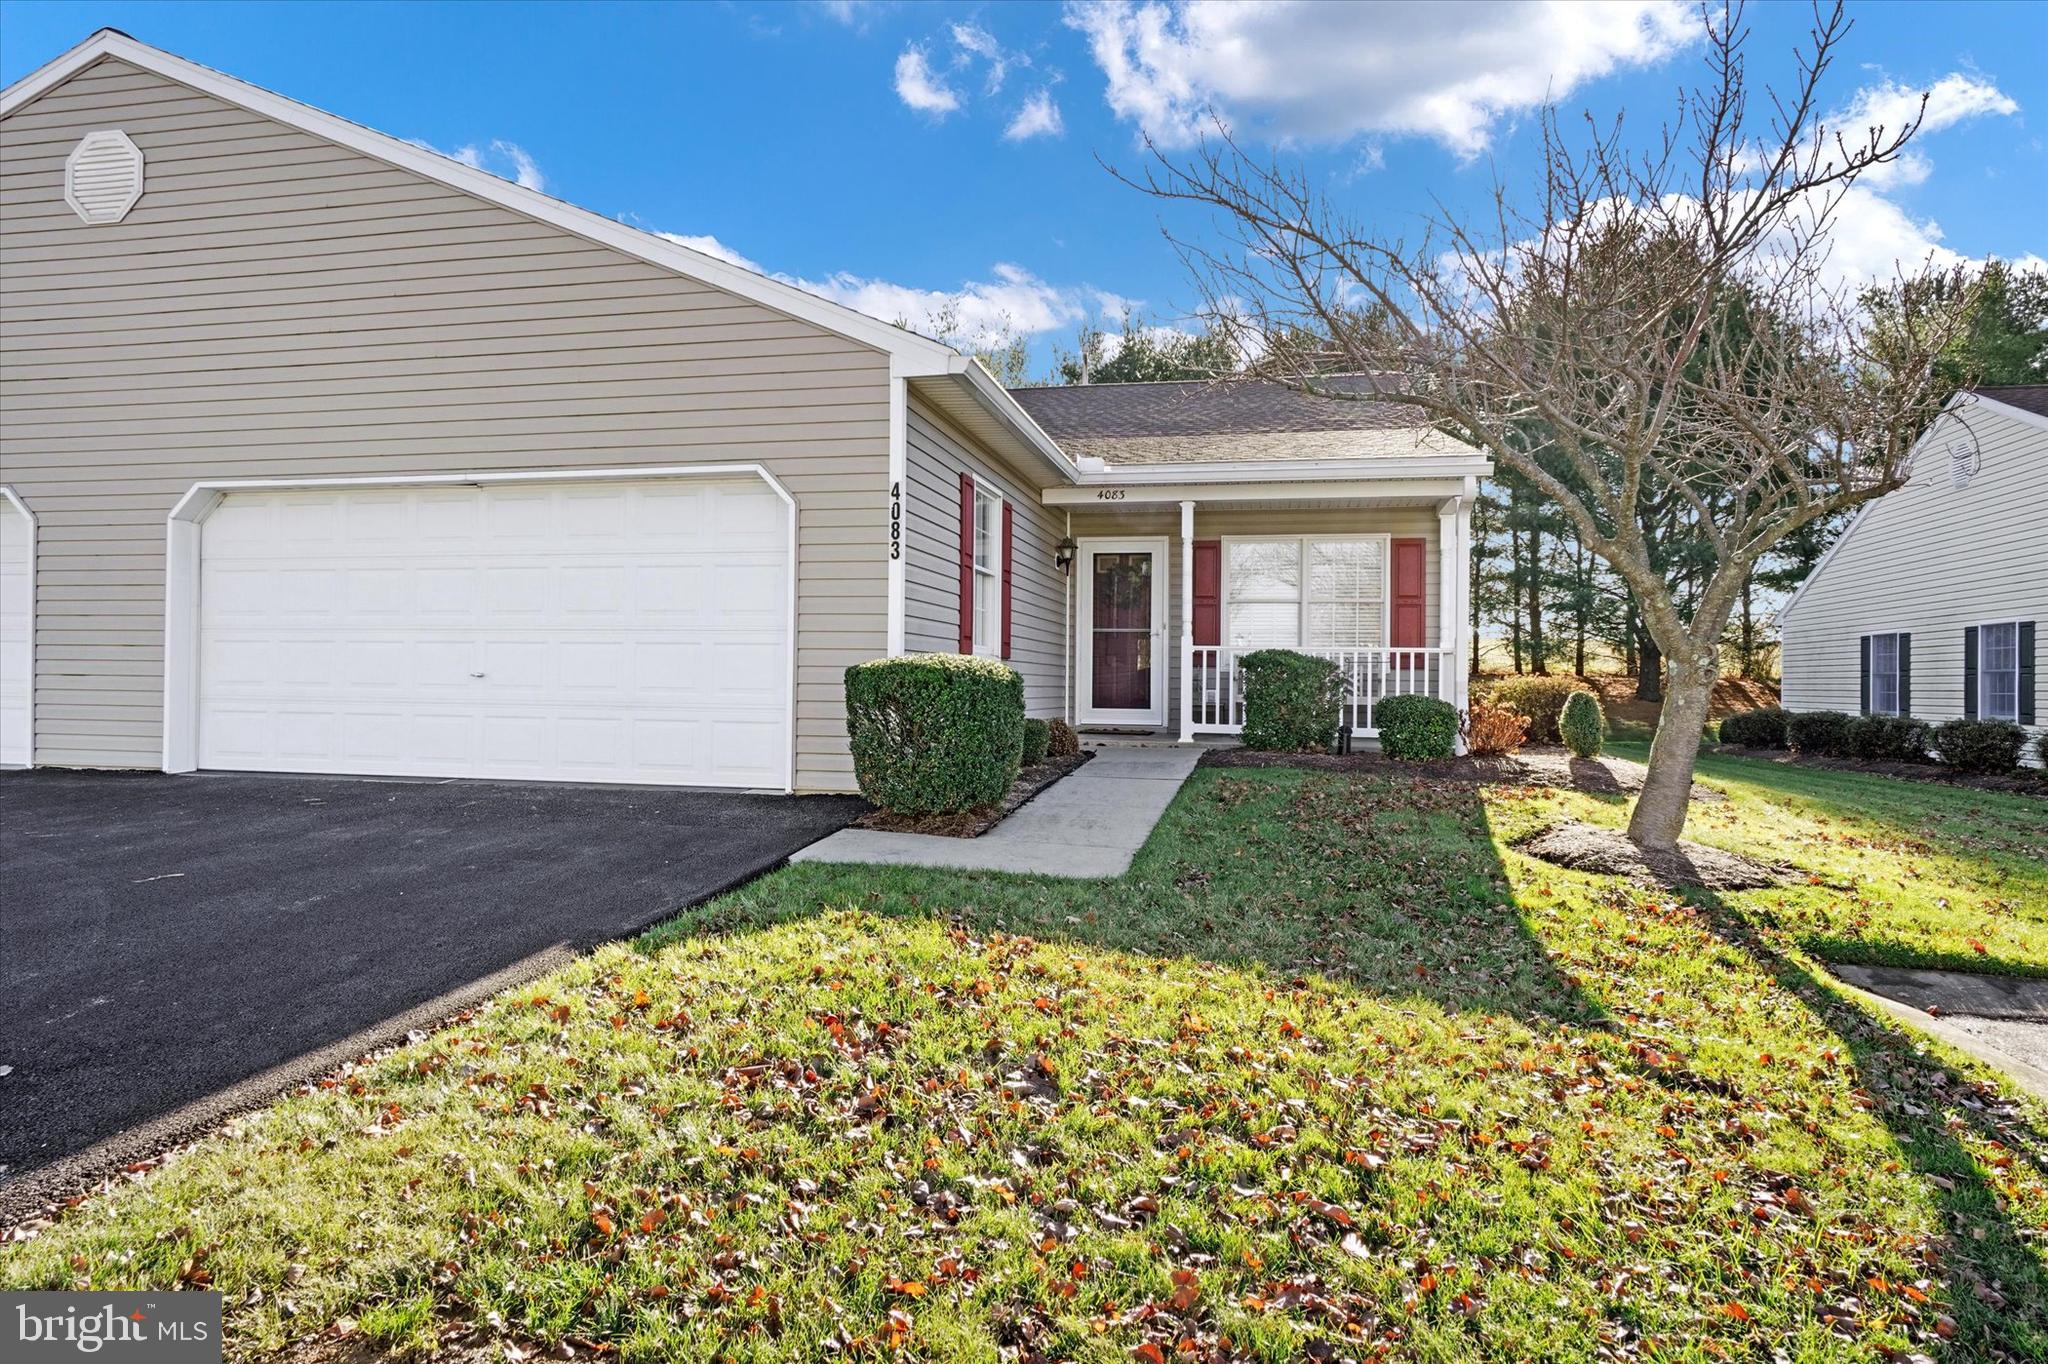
(1883,681)
(988,573)
(1305,593)
(1998,671)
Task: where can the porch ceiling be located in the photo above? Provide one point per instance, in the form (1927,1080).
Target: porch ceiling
(1390,492)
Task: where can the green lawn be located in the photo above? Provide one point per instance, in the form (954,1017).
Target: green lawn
(1905,873)
(1332,1073)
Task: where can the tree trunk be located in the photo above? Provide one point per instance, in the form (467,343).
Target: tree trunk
(1628,636)
(1515,595)
(1649,668)
(1659,816)
(1539,662)
(1748,645)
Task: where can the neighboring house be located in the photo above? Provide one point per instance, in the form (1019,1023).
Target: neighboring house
(326,453)
(1929,604)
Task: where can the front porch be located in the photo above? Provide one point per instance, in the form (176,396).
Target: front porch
(1172,584)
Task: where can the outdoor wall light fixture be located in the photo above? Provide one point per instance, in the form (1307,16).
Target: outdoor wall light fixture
(1063,554)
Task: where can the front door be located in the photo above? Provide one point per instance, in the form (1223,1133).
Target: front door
(1122,650)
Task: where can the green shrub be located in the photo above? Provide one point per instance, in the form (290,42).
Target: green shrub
(1980,745)
(1885,738)
(1037,739)
(1822,732)
(1581,724)
(2041,753)
(1416,728)
(1542,700)
(1062,742)
(1292,701)
(934,733)
(1756,728)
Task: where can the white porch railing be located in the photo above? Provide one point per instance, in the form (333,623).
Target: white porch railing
(1371,676)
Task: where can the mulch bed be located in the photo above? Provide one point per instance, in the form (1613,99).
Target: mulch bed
(976,822)
(2029,782)
(1587,847)
(1537,766)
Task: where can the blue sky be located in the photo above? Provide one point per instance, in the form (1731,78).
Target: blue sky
(900,156)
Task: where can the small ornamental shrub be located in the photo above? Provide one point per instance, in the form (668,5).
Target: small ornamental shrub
(1583,725)
(1821,732)
(1542,700)
(1037,739)
(935,733)
(1416,728)
(1886,738)
(1756,728)
(2041,753)
(1980,745)
(1292,702)
(1062,742)
(1495,729)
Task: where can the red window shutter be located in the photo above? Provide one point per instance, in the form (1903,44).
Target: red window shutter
(1411,593)
(966,563)
(1008,558)
(1208,592)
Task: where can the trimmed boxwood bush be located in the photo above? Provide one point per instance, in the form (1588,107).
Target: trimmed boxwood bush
(1542,700)
(1292,701)
(1416,728)
(1581,724)
(1980,745)
(1763,728)
(935,733)
(1037,739)
(1062,742)
(1886,738)
(1824,732)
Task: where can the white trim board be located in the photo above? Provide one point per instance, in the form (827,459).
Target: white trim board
(11,503)
(181,575)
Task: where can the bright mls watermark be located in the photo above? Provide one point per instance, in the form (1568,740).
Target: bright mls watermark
(160,1328)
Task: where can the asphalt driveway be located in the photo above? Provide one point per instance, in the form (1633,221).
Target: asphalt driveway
(164,940)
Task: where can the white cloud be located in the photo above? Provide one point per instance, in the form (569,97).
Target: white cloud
(506,160)
(1955,98)
(975,41)
(1039,117)
(1012,299)
(918,86)
(1326,73)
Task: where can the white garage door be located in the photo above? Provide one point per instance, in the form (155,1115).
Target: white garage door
(594,631)
(17,589)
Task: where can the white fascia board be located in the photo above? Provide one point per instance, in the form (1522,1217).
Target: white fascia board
(2018,414)
(1361,489)
(748,284)
(1285,471)
(997,401)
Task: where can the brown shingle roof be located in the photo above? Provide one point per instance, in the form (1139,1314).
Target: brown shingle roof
(2026,397)
(1199,419)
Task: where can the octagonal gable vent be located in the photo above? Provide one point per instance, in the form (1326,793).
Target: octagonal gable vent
(103,176)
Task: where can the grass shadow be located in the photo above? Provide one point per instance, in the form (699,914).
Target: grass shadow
(1998,1291)
(1387,885)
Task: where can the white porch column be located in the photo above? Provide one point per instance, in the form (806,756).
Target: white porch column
(1450,573)
(1461,624)
(1187,622)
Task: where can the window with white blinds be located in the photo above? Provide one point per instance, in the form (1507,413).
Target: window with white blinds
(1304,593)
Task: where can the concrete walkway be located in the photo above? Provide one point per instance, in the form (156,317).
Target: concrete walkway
(1089,824)
(2000,1020)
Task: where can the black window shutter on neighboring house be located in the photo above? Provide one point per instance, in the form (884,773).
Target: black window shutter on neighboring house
(2026,633)
(1970,673)
(1863,674)
(1905,674)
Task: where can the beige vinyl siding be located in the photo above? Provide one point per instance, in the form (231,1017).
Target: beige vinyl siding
(1216,524)
(1929,560)
(276,305)
(938,453)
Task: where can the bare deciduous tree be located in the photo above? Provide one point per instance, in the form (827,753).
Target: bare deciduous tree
(1652,323)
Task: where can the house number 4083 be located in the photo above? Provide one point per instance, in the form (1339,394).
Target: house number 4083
(895,520)
(1109,494)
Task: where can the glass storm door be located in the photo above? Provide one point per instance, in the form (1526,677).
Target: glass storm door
(1123,663)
